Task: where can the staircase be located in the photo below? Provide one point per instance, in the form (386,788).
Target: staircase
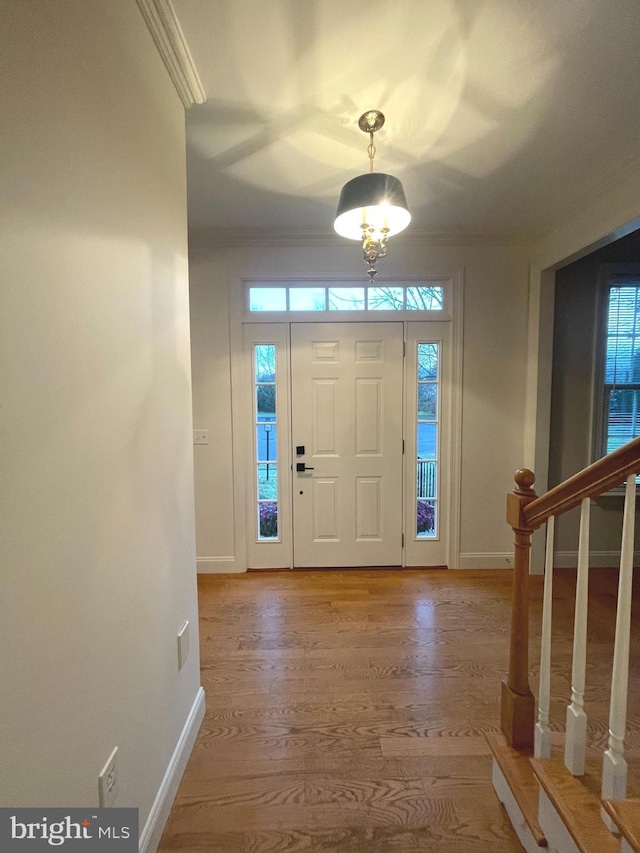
(566,805)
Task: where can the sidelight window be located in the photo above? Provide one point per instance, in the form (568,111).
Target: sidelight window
(266,436)
(427,440)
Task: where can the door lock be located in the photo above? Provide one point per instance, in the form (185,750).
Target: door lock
(301,468)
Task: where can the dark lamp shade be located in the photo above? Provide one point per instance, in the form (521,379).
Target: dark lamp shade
(374,198)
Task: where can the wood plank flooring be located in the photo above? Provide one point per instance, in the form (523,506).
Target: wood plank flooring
(346,712)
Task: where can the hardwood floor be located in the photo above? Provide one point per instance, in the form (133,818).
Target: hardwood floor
(346,712)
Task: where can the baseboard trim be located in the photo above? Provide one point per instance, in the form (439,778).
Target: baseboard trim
(597,559)
(481,560)
(154,827)
(218,566)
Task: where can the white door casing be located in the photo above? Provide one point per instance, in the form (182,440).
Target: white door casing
(346,398)
(250,552)
(275,553)
(436,550)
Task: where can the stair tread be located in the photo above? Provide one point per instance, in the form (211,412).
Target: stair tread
(578,807)
(516,768)
(626,814)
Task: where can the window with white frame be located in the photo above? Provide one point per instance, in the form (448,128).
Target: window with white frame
(266,436)
(618,405)
(329,298)
(428,379)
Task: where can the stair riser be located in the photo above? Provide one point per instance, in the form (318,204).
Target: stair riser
(507,799)
(558,838)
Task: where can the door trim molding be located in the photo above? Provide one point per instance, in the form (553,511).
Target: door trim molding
(237,280)
(455,466)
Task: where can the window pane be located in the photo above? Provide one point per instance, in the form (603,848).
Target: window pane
(427,441)
(427,402)
(623,336)
(306,299)
(427,370)
(265,363)
(266,402)
(426,518)
(427,361)
(622,367)
(267,299)
(266,442)
(268,520)
(623,417)
(424,299)
(267,482)
(385,298)
(346,298)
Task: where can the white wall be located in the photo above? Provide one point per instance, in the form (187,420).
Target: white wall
(211,366)
(98,552)
(571,439)
(607,215)
(604,216)
(495,318)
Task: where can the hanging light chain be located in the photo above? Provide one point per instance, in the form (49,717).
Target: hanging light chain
(371,151)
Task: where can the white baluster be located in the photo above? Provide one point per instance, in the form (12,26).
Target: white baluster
(542,735)
(614,765)
(576,737)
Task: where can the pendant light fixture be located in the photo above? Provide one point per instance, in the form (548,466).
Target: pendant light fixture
(372,207)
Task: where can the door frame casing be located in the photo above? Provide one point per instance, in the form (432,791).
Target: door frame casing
(241,391)
(425,331)
(278,553)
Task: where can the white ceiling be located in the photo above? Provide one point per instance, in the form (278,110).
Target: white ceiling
(503,116)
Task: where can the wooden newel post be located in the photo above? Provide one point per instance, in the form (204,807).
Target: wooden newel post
(517,710)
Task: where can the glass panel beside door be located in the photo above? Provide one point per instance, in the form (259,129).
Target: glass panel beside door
(266,431)
(428,358)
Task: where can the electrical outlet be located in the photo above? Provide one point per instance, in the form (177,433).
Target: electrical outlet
(183,644)
(201,436)
(109,781)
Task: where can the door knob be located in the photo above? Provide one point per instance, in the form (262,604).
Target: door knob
(301,468)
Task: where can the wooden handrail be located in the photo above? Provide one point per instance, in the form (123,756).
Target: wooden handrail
(526,512)
(598,478)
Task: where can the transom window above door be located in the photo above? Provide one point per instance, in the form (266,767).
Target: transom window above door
(331,299)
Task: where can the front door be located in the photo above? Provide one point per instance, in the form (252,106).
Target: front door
(346,398)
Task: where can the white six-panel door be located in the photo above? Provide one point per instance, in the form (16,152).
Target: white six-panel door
(347,405)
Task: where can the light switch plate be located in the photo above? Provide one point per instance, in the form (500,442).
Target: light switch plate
(109,781)
(201,436)
(183,644)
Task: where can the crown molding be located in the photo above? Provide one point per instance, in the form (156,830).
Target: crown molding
(202,240)
(165,29)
